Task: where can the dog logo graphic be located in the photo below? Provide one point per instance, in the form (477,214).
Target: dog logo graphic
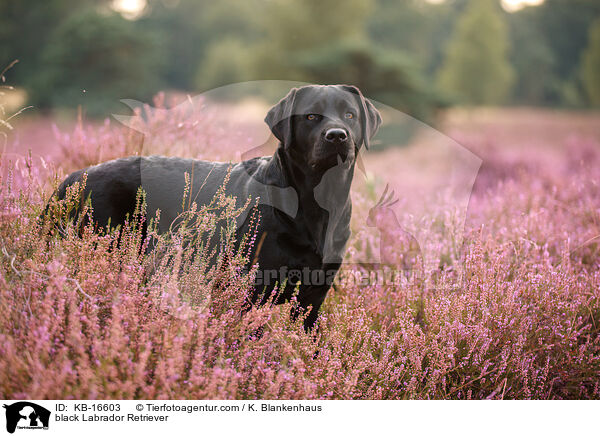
(26,415)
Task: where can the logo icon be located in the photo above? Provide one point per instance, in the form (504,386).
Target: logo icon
(26,415)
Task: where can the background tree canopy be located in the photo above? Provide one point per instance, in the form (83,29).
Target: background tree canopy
(473,54)
(414,55)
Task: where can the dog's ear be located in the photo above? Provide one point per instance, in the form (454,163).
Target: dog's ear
(369,116)
(279,118)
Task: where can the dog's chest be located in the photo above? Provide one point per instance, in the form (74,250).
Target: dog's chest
(281,240)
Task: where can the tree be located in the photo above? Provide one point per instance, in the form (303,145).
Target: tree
(476,68)
(323,43)
(25,27)
(386,75)
(417,27)
(94,60)
(291,27)
(190,28)
(227,61)
(533,60)
(564,25)
(591,64)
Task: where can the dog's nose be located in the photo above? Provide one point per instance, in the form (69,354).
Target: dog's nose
(336,135)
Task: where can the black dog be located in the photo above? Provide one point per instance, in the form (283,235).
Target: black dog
(304,189)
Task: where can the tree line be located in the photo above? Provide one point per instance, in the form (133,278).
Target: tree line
(414,55)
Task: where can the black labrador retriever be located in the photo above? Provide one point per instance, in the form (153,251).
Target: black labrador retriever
(303,190)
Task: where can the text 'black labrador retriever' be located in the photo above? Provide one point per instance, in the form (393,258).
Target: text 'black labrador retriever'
(303,190)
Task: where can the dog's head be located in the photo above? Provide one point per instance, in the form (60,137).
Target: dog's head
(320,125)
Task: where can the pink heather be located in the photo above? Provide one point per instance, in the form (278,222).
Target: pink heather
(83,318)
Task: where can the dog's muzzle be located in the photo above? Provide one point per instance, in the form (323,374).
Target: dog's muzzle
(336,136)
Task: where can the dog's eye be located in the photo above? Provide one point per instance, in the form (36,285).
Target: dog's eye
(312,117)
(349,115)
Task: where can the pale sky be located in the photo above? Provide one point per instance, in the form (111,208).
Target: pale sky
(130,9)
(515,5)
(509,5)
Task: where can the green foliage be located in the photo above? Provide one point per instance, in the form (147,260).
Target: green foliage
(25,26)
(227,61)
(385,75)
(289,27)
(290,30)
(564,26)
(476,68)
(322,43)
(65,46)
(94,60)
(591,65)
(536,82)
(414,26)
(191,32)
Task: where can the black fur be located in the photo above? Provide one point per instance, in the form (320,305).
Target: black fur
(304,187)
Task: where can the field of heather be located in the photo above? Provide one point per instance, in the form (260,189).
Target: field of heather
(505,305)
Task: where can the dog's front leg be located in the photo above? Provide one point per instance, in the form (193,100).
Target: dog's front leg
(310,301)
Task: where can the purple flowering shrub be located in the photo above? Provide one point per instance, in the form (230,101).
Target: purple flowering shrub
(88,315)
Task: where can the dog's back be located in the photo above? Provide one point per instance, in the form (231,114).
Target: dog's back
(113,187)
